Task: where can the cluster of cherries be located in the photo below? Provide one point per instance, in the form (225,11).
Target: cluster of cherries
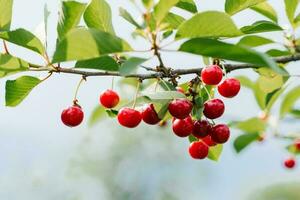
(290,162)
(182,124)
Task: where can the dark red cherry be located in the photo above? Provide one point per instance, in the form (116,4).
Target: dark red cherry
(229,87)
(149,115)
(198,150)
(180,108)
(214,108)
(212,75)
(290,163)
(220,133)
(183,127)
(109,99)
(129,117)
(297,145)
(208,141)
(202,128)
(72,116)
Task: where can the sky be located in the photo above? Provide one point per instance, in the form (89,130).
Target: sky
(42,159)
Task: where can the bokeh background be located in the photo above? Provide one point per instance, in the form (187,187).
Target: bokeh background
(40,159)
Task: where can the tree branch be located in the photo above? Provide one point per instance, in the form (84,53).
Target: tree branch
(228,67)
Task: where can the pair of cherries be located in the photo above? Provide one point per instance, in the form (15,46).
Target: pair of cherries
(290,163)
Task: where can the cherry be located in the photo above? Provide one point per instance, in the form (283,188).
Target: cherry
(229,88)
(202,128)
(198,150)
(149,115)
(290,163)
(208,141)
(180,108)
(183,127)
(220,133)
(129,117)
(179,89)
(109,99)
(297,145)
(214,108)
(212,75)
(72,116)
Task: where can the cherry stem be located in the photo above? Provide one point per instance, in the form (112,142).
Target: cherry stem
(77,89)
(5,47)
(209,96)
(48,76)
(136,94)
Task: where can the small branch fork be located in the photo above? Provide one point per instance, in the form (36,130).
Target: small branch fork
(159,74)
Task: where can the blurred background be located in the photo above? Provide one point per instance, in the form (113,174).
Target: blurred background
(41,159)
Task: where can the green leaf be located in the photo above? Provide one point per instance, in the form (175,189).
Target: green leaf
(292,149)
(173,20)
(105,63)
(17,90)
(252,125)
(235,6)
(245,81)
(260,96)
(165,95)
(289,101)
(69,16)
(192,138)
(242,141)
(273,97)
(222,50)
(98,15)
(188,5)
(97,114)
(208,24)
(267,10)
(269,84)
(163,111)
(162,8)
(11,65)
(290,9)
(112,113)
(277,52)
(254,41)
(198,108)
(214,152)
(23,38)
(82,44)
(5,14)
(260,27)
(130,66)
(127,16)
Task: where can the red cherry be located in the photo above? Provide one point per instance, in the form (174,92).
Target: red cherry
(297,145)
(179,89)
(183,127)
(198,150)
(208,141)
(220,133)
(72,116)
(129,117)
(109,99)
(149,115)
(212,75)
(229,88)
(214,108)
(290,163)
(202,128)
(180,108)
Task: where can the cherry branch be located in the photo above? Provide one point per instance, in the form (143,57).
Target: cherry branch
(174,72)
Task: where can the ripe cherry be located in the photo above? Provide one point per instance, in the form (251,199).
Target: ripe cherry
(129,117)
(198,150)
(214,108)
(229,88)
(220,133)
(202,128)
(109,99)
(179,89)
(290,163)
(149,115)
(208,141)
(212,75)
(183,127)
(72,116)
(180,108)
